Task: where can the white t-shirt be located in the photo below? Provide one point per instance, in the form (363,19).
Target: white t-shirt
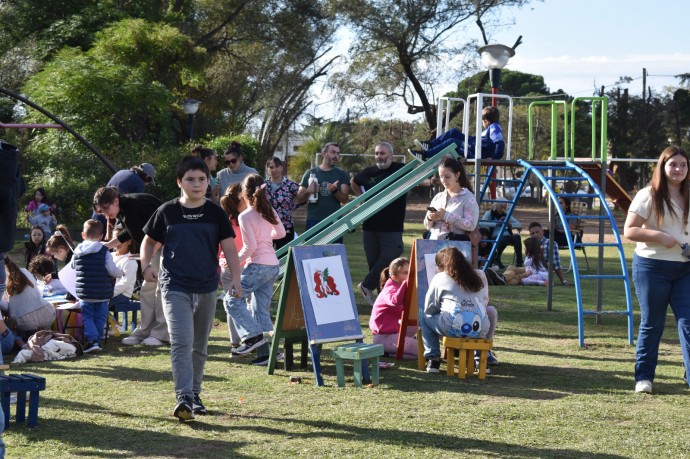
(642,206)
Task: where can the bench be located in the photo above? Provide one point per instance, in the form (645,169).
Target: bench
(21,384)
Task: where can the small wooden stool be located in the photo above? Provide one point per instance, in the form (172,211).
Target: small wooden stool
(21,384)
(466,348)
(358,352)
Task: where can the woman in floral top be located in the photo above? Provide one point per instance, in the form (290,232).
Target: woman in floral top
(282,194)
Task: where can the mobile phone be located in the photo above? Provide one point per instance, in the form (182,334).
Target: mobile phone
(431,209)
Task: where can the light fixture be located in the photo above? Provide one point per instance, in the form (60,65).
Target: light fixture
(495,57)
(190,107)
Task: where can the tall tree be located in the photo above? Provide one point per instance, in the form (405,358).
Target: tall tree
(401,48)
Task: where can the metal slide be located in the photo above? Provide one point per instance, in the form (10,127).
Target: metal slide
(366,205)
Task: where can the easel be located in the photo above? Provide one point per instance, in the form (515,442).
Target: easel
(418,282)
(296,319)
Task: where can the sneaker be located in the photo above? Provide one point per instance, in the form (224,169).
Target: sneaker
(369,296)
(433,365)
(153,341)
(424,146)
(92,346)
(261,361)
(250,344)
(183,409)
(644,386)
(198,406)
(494,278)
(131,340)
(416,154)
(490,359)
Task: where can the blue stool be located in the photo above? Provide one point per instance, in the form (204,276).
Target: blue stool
(21,384)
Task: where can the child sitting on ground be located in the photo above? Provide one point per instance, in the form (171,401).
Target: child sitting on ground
(95,269)
(36,245)
(388,308)
(536,272)
(25,302)
(455,305)
(42,267)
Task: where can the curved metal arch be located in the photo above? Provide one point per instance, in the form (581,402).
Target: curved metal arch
(64,125)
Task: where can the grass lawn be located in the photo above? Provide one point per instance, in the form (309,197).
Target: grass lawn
(548,397)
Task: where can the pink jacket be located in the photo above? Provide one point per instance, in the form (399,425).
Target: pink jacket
(257,237)
(388,308)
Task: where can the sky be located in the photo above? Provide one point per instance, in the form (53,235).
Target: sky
(577,45)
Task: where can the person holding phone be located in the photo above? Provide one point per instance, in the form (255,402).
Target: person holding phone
(454,212)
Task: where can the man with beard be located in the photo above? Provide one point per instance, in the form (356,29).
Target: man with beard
(331,190)
(382,232)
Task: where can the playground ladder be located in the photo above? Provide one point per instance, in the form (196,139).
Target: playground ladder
(572,172)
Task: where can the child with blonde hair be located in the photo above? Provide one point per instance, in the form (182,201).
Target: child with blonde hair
(388,308)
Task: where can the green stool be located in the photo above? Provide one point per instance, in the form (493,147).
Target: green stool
(358,352)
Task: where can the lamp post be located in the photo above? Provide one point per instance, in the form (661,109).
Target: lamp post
(190,107)
(495,57)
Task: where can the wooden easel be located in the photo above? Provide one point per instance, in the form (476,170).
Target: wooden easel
(296,320)
(418,284)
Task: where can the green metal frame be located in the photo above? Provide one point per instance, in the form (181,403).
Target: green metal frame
(604,101)
(554,127)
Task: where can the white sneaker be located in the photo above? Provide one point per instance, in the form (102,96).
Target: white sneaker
(368,295)
(131,341)
(153,341)
(643,386)
(424,146)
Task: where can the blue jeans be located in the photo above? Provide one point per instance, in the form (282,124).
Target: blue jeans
(659,283)
(452,135)
(380,249)
(190,319)
(94,316)
(7,343)
(430,334)
(313,223)
(257,287)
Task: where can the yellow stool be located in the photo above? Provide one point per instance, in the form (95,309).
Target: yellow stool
(466,348)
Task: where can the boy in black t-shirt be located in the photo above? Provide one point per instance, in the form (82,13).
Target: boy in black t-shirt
(190,229)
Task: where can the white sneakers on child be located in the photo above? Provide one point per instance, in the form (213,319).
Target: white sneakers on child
(643,386)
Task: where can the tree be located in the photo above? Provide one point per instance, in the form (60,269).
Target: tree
(402,47)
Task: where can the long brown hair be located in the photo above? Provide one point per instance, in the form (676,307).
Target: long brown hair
(451,261)
(16,280)
(392,269)
(254,189)
(448,162)
(533,250)
(60,240)
(661,198)
(230,201)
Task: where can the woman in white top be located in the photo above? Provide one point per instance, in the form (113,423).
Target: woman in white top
(454,212)
(658,222)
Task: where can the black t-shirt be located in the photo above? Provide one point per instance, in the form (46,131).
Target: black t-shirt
(392,217)
(135,210)
(190,238)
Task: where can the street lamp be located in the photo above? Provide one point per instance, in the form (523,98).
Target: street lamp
(190,107)
(495,57)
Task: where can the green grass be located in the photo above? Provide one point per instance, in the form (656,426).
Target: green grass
(548,398)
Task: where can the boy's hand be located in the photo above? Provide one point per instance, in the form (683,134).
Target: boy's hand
(149,274)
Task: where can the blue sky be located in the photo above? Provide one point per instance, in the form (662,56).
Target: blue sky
(577,44)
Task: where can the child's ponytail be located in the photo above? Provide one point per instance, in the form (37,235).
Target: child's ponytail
(61,239)
(254,188)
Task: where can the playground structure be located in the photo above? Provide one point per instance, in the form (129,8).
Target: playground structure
(561,168)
